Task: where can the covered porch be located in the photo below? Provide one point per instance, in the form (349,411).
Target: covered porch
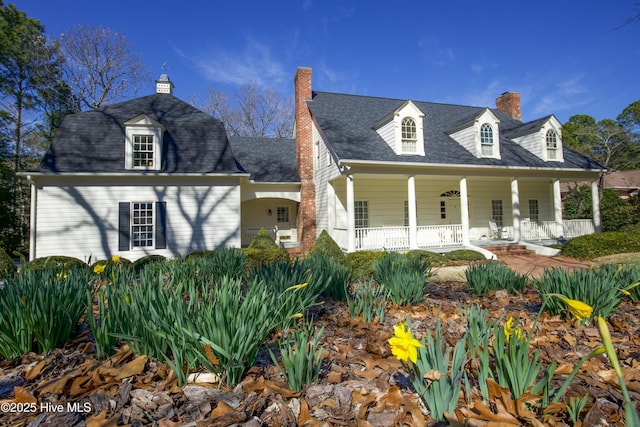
(400,212)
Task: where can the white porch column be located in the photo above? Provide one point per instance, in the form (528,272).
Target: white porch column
(464,211)
(515,206)
(351,216)
(413,216)
(557,208)
(595,196)
(33,221)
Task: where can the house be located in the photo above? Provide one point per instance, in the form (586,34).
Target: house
(625,183)
(402,174)
(154,175)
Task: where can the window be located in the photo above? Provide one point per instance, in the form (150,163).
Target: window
(282,214)
(443,209)
(362,213)
(142,225)
(486,139)
(552,145)
(406,213)
(409,136)
(534,211)
(142,151)
(496,212)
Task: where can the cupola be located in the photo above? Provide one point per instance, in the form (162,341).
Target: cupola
(164,85)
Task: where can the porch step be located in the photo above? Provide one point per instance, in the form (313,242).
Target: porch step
(294,251)
(505,250)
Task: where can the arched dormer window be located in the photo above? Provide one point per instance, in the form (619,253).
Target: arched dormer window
(486,139)
(409,135)
(552,145)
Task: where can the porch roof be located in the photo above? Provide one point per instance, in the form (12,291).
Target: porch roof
(347,122)
(266,159)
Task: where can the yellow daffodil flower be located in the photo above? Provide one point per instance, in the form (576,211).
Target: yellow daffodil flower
(99,268)
(115,258)
(403,345)
(296,287)
(579,309)
(508,330)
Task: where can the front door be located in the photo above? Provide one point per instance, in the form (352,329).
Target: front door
(450,210)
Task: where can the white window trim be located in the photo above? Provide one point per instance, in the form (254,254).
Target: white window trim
(143,125)
(153,226)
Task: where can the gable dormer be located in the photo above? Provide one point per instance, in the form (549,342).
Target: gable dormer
(143,143)
(403,131)
(542,137)
(480,135)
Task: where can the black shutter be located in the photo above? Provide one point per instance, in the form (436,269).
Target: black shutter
(161,225)
(124,226)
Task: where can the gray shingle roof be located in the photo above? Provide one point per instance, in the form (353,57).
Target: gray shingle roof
(347,121)
(94,141)
(266,159)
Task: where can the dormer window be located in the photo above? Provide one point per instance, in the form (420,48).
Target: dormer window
(486,140)
(143,143)
(402,130)
(552,145)
(409,135)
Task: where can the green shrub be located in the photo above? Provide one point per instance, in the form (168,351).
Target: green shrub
(405,278)
(432,258)
(140,263)
(58,262)
(263,240)
(7,266)
(493,276)
(199,254)
(258,257)
(361,263)
(599,288)
(602,244)
(323,265)
(464,255)
(324,244)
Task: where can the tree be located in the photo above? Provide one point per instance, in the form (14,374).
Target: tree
(26,56)
(101,66)
(257,113)
(613,143)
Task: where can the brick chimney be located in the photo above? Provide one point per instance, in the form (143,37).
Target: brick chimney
(306,221)
(509,102)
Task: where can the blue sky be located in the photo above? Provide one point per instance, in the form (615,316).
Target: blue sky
(564,57)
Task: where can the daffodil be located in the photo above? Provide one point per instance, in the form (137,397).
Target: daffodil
(578,309)
(296,287)
(403,345)
(115,258)
(508,330)
(99,268)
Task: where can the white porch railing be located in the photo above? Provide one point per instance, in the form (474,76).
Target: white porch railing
(542,230)
(551,230)
(397,238)
(578,227)
(434,236)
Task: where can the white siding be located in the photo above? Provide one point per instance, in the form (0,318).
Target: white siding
(467,138)
(325,169)
(388,134)
(82,220)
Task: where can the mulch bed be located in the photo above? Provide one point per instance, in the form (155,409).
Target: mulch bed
(361,383)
